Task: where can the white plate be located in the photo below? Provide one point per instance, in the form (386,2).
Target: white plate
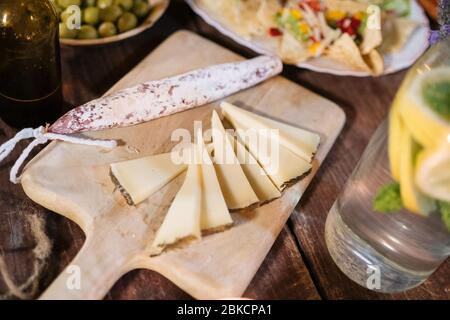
(416,45)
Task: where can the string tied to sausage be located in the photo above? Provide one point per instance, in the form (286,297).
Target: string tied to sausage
(42,136)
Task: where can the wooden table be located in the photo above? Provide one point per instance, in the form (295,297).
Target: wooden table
(297,267)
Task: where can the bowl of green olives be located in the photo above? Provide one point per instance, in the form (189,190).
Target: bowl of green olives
(106,21)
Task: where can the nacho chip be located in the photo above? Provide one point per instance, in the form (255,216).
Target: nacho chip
(246,21)
(266,13)
(349,6)
(396,32)
(372,38)
(375,62)
(291,50)
(345,51)
(238,15)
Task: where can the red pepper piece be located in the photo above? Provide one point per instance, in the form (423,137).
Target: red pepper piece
(275,32)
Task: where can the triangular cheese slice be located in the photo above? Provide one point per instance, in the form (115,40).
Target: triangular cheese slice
(301,142)
(280,164)
(260,182)
(140,178)
(235,187)
(182,221)
(214,211)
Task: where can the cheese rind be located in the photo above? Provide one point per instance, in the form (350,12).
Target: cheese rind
(236,189)
(214,211)
(260,182)
(301,142)
(280,164)
(144,176)
(183,217)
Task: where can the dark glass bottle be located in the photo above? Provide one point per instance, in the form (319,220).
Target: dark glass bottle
(30,66)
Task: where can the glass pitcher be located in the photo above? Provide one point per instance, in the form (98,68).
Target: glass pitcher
(389,230)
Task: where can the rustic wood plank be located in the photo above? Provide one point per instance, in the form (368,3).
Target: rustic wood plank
(18,239)
(282,274)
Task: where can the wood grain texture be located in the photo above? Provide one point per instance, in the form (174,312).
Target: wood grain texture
(90,72)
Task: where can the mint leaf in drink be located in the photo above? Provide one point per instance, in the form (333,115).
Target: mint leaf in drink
(388,199)
(437,96)
(444,207)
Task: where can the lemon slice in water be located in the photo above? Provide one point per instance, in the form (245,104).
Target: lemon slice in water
(425,109)
(433,172)
(413,199)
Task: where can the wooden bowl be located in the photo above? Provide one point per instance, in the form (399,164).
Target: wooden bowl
(158,7)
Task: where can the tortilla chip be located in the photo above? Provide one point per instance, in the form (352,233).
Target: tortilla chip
(346,5)
(375,62)
(372,38)
(396,32)
(245,21)
(291,50)
(266,13)
(345,51)
(238,15)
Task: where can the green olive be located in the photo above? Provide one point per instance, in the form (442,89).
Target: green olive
(66,3)
(87,32)
(89,3)
(111,13)
(141,8)
(125,4)
(91,15)
(127,22)
(107,29)
(66,33)
(103,4)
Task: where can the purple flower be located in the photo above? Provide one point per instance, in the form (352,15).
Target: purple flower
(444,22)
(434,36)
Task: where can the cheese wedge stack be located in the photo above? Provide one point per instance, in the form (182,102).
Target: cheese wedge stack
(261,183)
(283,151)
(251,164)
(301,142)
(235,186)
(199,204)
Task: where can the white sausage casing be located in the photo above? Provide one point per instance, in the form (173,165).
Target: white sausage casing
(155,99)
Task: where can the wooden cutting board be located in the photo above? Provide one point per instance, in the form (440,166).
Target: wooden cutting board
(73,180)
